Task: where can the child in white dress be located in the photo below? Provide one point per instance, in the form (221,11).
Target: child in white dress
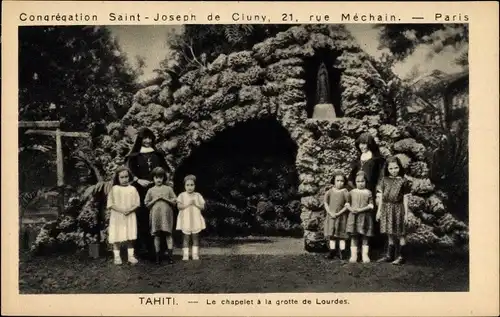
(190,221)
(123,200)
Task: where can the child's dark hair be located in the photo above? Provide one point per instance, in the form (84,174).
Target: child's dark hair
(159,172)
(394,159)
(363,174)
(190,178)
(367,138)
(120,169)
(338,173)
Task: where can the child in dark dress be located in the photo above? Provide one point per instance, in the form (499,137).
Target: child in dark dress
(360,223)
(160,199)
(392,212)
(371,162)
(336,206)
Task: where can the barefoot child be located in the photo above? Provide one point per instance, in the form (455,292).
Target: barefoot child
(360,223)
(336,202)
(123,200)
(392,211)
(159,199)
(190,220)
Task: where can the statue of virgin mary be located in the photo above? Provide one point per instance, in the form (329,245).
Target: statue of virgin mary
(324,108)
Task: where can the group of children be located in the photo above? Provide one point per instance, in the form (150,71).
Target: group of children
(124,200)
(350,214)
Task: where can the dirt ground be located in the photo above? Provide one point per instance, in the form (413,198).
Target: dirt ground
(243,267)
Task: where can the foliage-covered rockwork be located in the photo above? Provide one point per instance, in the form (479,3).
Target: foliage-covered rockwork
(266,84)
(79,225)
(429,221)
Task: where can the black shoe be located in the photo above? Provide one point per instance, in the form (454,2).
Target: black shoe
(158,258)
(330,255)
(389,256)
(400,259)
(170,257)
(341,254)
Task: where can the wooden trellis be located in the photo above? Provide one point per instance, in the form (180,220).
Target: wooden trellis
(37,127)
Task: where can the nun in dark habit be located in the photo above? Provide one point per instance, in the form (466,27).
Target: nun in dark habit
(142,159)
(369,161)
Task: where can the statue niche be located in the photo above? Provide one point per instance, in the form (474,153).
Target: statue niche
(324,108)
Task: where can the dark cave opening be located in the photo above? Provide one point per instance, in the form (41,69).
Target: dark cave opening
(248,178)
(311,66)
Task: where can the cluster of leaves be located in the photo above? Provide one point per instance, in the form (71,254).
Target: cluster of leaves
(196,46)
(417,88)
(450,170)
(260,198)
(78,226)
(74,74)
(77,75)
(398,94)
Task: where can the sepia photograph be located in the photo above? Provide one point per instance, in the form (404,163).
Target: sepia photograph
(243,158)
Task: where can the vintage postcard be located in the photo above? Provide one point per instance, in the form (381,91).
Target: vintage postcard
(250,158)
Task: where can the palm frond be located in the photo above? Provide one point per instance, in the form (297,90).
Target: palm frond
(36,147)
(25,199)
(33,199)
(102,188)
(88,159)
(248,28)
(233,33)
(90,191)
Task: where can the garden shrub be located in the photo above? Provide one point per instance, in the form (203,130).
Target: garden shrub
(449,170)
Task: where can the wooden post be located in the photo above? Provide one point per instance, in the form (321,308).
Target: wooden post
(60,170)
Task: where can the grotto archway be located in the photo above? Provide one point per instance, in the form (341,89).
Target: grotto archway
(248,177)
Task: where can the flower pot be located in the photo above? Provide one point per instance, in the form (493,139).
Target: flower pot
(94,250)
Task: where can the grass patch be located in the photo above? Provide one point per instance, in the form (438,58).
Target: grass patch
(73,274)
